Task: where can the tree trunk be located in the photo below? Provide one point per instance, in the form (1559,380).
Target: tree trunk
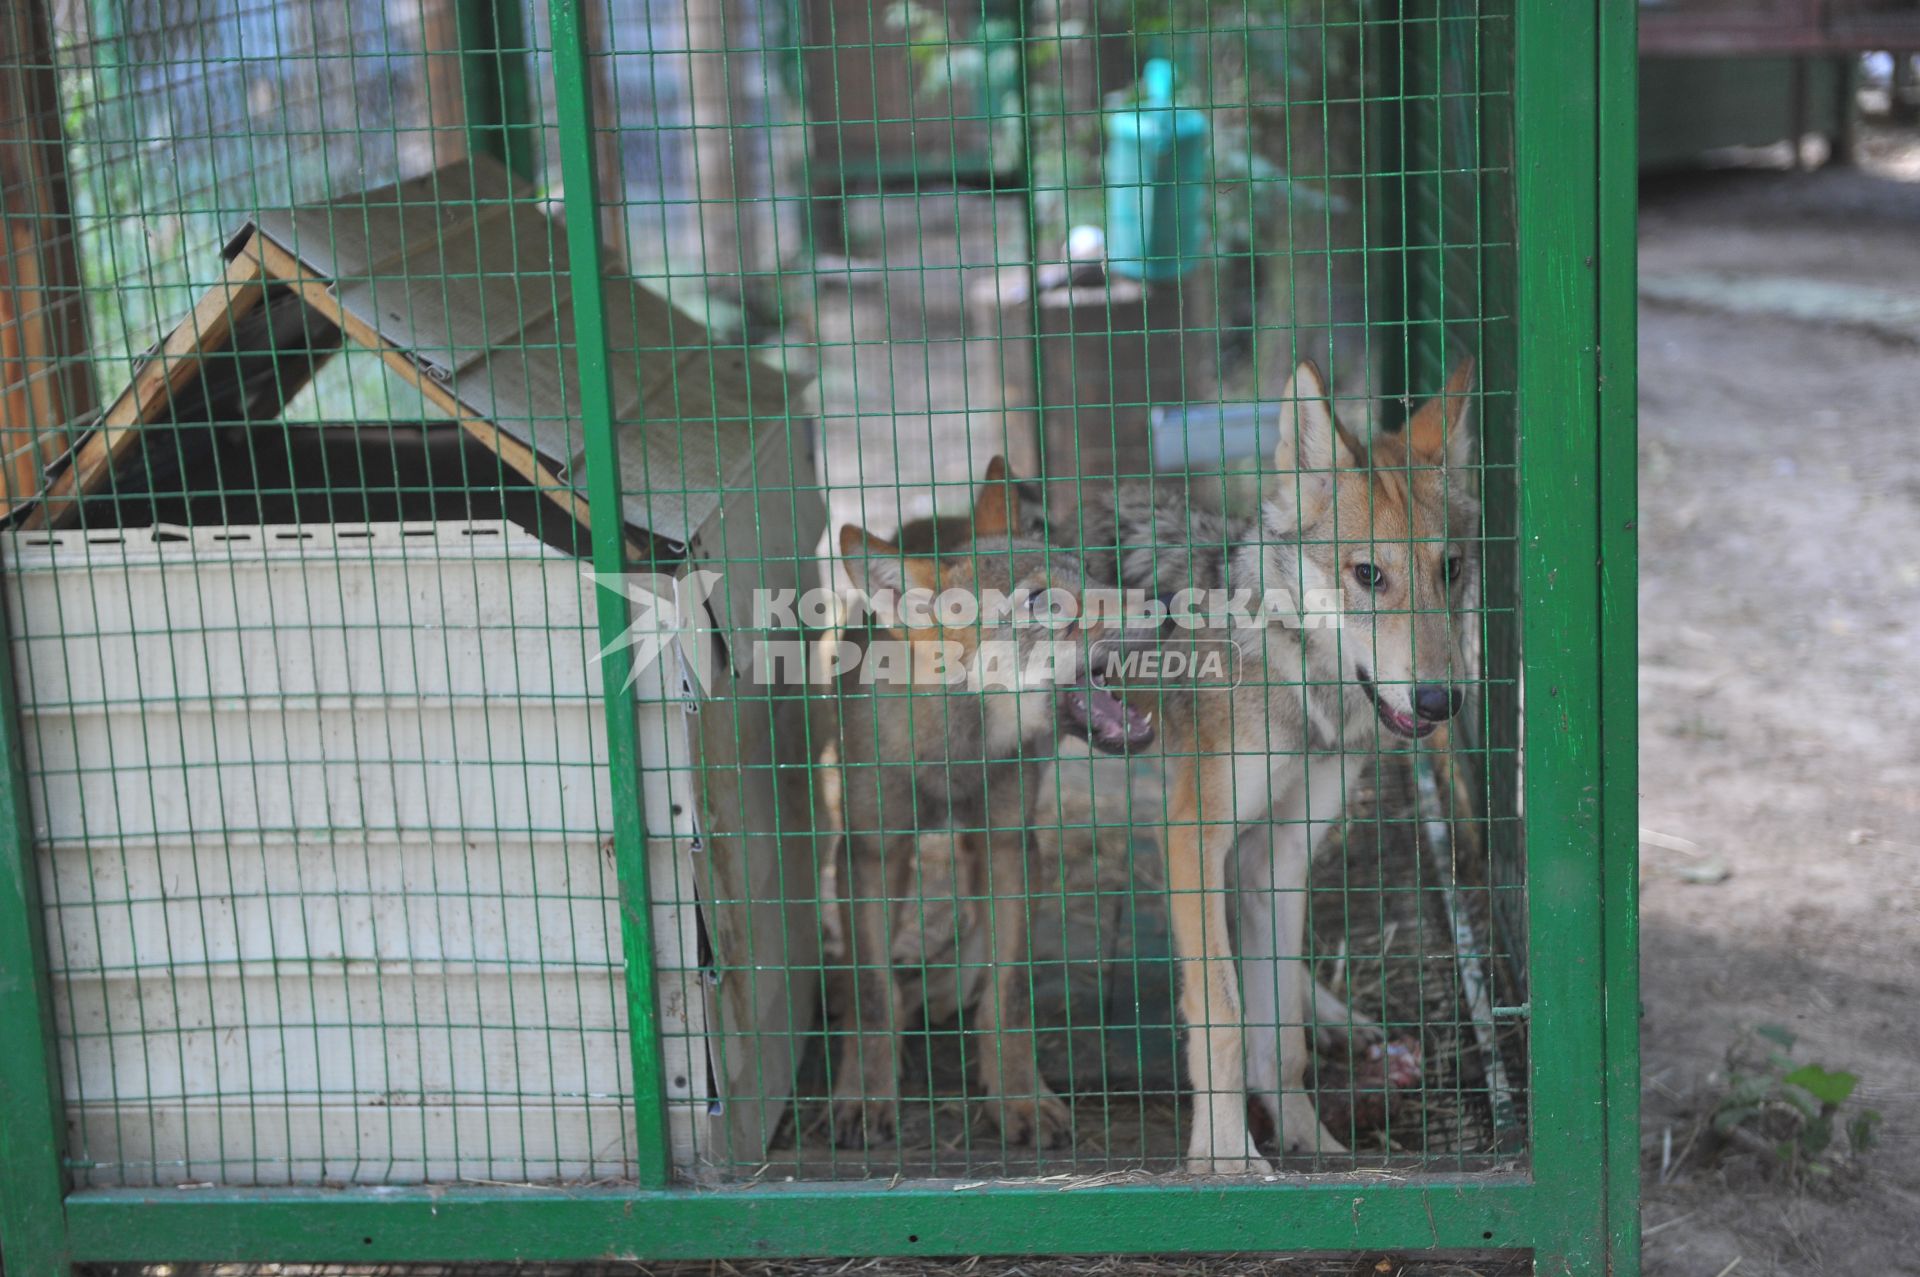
(610,170)
(45,384)
(715,179)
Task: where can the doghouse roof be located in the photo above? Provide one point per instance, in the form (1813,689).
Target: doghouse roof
(463,285)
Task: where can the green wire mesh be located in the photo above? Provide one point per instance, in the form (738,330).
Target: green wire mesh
(313,702)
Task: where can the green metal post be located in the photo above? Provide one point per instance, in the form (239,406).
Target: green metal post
(1619,655)
(1030,220)
(33,1217)
(1394,242)
(493,79)
(1556,142)
(573,99)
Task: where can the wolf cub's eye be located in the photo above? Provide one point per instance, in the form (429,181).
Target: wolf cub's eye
(1454,567)
(1368,575)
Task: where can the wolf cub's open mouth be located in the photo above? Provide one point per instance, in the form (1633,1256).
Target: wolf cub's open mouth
(1400,724)
(1092,710)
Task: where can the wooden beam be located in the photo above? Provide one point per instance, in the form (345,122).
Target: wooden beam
(206,329)
(601,42)
(446,99)
(259,263)
(711,91)
(1805,29)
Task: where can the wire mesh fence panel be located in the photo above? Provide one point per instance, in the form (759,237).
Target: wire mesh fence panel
(711,593)
(1205,213)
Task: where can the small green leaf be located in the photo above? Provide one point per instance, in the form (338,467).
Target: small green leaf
(1777,1035)
(1860,1131)
(1733,1115)
(1833,1088)
(1800,1103)
(1816,1135)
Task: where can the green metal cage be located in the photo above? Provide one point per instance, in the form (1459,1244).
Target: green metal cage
(427,426)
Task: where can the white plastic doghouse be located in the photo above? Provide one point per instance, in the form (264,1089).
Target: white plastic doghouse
(322,811)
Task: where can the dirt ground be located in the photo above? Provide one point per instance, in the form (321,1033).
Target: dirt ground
(1780,668)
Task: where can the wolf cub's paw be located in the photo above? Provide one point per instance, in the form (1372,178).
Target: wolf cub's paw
(1301,1130)
(1232,1156)
(1042,1120)
(1251,1164)
(864,1121)
(1338,1027)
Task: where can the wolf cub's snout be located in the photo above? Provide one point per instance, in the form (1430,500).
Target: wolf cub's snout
(1436,702)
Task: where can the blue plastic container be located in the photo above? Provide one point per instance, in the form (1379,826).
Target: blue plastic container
(1158,195)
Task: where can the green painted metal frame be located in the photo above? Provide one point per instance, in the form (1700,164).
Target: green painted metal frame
(573,98)
(1617,464)
(1574,1207)
(1556,207)
(33,1125)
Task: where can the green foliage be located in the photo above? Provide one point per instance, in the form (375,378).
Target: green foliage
(1776,1103)
(981,67)
(161,172)
(1237,72)
(1828,1088)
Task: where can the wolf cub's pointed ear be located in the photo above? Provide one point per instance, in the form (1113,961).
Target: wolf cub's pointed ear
(1312,446)
(1311,437)
(1437,433)
(878,567)
(997,512)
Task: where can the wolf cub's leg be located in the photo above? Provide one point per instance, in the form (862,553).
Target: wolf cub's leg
(1275,862)
(1221,1143)
(1019,1099)
(866,1083)
(1274,973)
